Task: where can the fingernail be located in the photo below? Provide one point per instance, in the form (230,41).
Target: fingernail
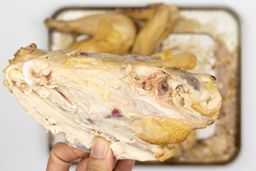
(99,149)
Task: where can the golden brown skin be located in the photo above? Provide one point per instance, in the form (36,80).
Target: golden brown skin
(185,61)
(109,33)
(29,52)
(160,20)
(159,130)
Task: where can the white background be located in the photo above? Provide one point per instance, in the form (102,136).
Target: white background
(23,143)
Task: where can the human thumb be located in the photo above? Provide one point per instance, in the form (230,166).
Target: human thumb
(101,157)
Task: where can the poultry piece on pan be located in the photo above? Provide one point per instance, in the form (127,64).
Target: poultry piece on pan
(141,107)
(159,22)
(109,33)
(116,33)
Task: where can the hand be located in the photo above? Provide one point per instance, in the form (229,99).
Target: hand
(100,158)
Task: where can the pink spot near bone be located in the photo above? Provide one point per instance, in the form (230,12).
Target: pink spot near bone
(115,113)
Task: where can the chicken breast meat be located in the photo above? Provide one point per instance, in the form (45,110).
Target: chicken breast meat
(139,104)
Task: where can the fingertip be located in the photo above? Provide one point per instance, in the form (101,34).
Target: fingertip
(100,148)
(101,157)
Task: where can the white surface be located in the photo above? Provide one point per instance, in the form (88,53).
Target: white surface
(23,143)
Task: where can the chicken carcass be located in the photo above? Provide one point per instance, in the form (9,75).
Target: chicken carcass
(139,104)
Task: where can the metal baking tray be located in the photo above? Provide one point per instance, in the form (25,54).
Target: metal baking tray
(214,35)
